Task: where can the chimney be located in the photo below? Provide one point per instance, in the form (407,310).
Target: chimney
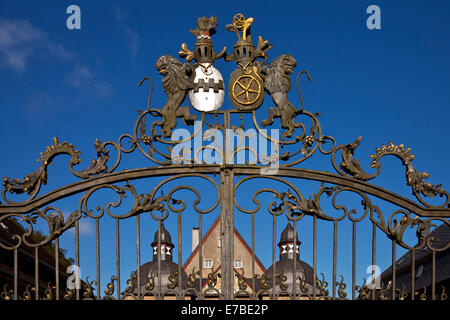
(195,238)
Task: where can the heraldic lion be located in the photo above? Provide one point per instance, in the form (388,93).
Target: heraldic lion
(178,80)
(278,83)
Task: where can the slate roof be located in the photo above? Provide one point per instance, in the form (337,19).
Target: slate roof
(423,263)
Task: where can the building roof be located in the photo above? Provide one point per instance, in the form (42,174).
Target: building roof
(423,263)
(168,267)
(165,236)
(208,233)
(288,234)
(26,260)
(285,265)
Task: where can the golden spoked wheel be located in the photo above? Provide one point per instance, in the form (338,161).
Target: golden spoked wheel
(246,89)
(238,21)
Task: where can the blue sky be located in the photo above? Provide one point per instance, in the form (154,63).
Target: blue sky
(79,85)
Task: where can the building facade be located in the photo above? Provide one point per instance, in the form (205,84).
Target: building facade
(201,272)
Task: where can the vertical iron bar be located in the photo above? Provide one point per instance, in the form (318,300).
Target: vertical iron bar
(413,273)
(158,250)
(433,276)
(118,258)
(274,239)
(394,247)
(16,271)
(334,257)
(354,260)
(294,265)
(200,257)
(253,256)
(314,255)
(227,217)
(374,246)
(179,255)
(36,272)
(57,268)
(77,256)
(138,255)
(97,255)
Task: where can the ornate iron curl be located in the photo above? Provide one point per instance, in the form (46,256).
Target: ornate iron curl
(109,291)
(351,167)
(149,139)
(173,281)
(242,283)
(6,294)
(48,293)
(211,282)
(395,229)
(69,294)
(285,206)
(302,284)
(402,294)
(150,285)
(309,142)
(27,294)
(131,286)
(382,293)
(422,296)
(364,291)
(212,278)
(147,202)
(414,178)
(169,200)
(322,285)
(121,193)
(263,281)
(32,183)
(341,289)
(282,282)
(52,216)
(191,278)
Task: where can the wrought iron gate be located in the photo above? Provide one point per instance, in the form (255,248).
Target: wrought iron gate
(230,166)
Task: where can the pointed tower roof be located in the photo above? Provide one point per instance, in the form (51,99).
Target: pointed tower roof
(168,267)
(288,235)
(165,236)
(289,251)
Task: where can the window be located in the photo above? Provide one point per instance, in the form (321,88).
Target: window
(238,263)
(207,263)
(219,242)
